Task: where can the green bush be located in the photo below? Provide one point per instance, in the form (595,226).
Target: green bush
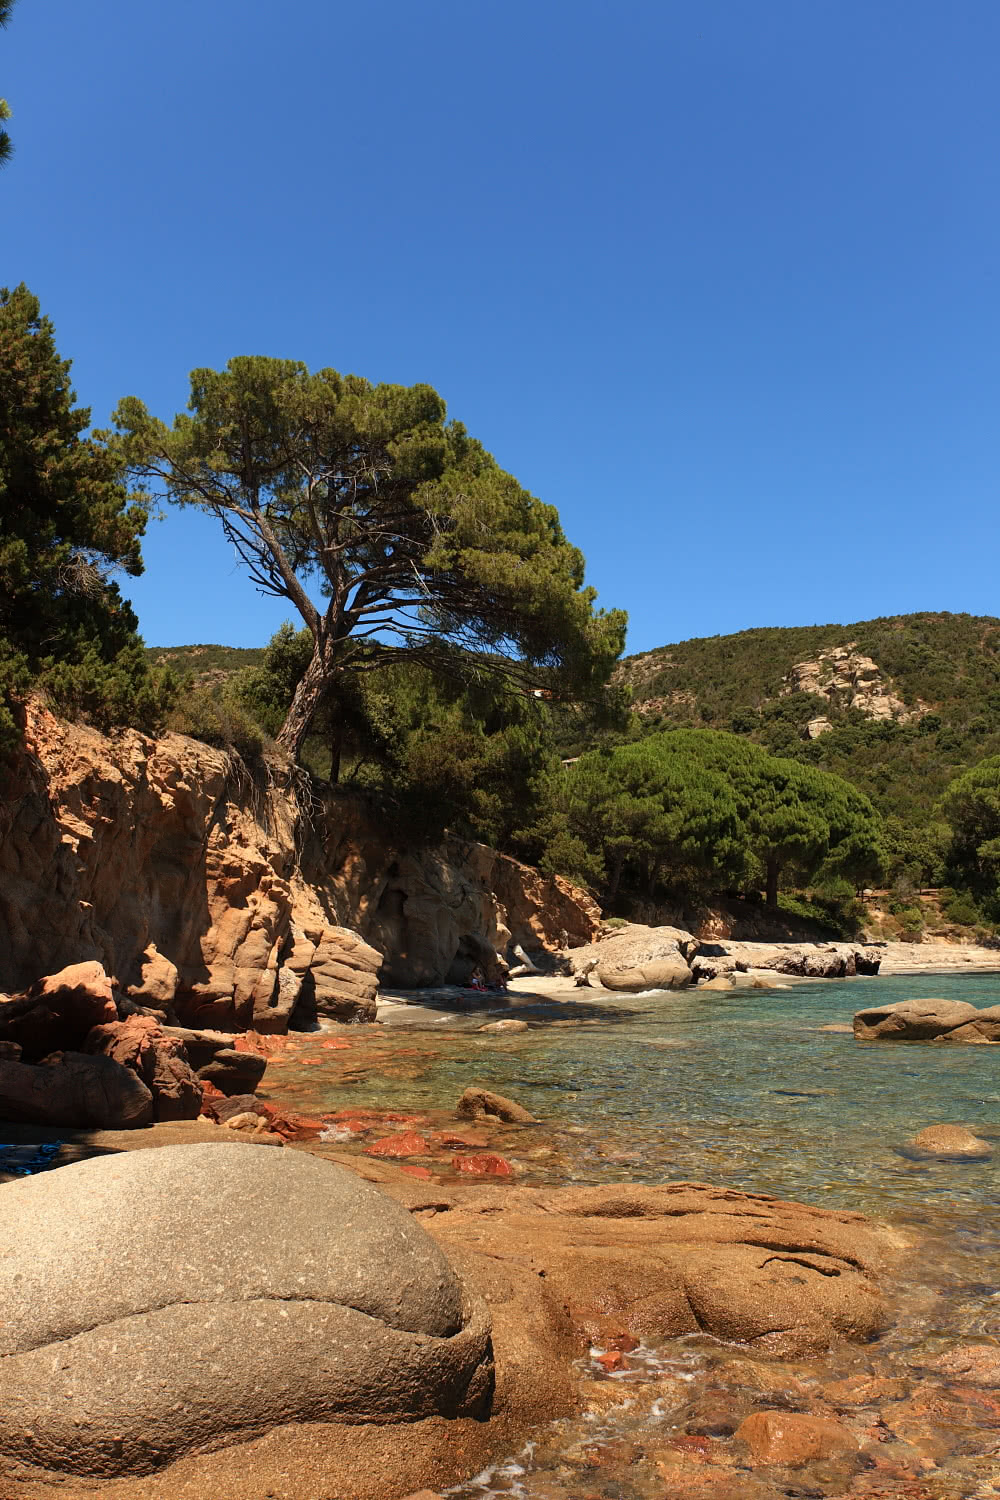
(911,922)
(959,907)
(219,719)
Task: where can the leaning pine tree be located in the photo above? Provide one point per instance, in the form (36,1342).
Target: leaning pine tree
(384,525)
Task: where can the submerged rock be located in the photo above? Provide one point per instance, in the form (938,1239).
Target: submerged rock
(481,1104)
(949,1142)
(794,1438)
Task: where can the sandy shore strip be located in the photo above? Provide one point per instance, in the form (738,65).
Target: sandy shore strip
(937,958)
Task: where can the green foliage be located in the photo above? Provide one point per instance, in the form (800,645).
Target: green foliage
(68,520)
(6,145)
(412,532)
(700,810)
(959,907)
(216,716)
(971,806)
(840,915)
(949,663)
(911,922)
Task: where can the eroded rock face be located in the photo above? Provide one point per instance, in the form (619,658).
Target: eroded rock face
(227,903)
(155,1278)
(659,1262)
(439,914)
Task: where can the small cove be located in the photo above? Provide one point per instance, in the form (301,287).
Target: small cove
(743,1089)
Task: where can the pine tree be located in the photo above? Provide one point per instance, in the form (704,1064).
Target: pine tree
(67,521)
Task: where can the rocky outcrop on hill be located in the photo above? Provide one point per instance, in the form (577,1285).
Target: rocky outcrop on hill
(848,679)
(928,1021)
(222,898)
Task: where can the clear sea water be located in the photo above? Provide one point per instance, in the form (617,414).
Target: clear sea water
(740,1088)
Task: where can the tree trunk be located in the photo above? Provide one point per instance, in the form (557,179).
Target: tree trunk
(773,870)
(309,694)
(336,748)
(615,875)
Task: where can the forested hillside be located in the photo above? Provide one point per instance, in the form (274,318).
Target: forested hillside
(898,707)
(924,706)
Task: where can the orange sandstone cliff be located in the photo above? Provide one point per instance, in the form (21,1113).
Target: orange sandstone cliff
(232,896)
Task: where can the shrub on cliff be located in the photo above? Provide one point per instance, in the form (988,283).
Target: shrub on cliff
(68,521)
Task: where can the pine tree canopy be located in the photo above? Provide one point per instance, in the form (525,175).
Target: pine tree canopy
(367,498)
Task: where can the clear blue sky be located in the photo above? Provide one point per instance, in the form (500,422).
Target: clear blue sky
(719,280)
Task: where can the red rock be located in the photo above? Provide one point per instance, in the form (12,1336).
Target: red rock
(406,1144)
(623,1342)
(485,1164)
(209,1091)
(613,1360)
(261,1045)
(449,1138)
(414,1171)
(336,1046)
(160,1061)
(288,1125)
(793,1438)
(688,1443)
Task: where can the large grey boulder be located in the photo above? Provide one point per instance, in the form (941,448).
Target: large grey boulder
(638,958)
(161,1301)
(653,974)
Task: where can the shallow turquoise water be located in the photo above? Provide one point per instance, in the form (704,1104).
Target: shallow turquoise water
(741,1087)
